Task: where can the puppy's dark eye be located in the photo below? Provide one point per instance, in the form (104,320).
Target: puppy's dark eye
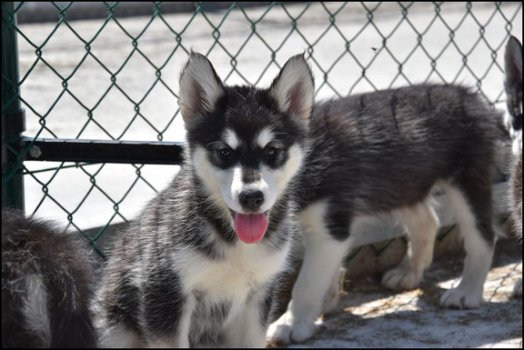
(271,152)
(221,154)
(224,153)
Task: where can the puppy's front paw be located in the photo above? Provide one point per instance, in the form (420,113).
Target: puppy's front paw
(287,330)
(461,299)
(401,278)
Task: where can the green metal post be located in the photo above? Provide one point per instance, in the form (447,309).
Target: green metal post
(13,122)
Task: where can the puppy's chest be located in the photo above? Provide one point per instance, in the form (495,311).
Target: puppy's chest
(239,271)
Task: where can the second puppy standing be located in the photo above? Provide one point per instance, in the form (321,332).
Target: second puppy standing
(383,152)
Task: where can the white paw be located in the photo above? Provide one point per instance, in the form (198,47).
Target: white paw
(459,298)
(285,330)
(517,290)
(401,278)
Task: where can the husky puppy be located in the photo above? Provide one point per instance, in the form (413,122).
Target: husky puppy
(513,87)
(383,152)
(197,266)
(46,285)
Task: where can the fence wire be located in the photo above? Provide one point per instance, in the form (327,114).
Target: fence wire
(115,78)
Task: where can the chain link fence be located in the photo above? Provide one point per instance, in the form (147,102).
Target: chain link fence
(115,78)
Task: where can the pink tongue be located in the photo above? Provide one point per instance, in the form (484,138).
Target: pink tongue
(250,228)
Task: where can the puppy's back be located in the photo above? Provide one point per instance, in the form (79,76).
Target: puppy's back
(366,146)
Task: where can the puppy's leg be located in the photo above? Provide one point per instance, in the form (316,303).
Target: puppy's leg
(116,311)
(168,330)
(472,203)
(422,224)
(322,257)
(167,310)
(112,332)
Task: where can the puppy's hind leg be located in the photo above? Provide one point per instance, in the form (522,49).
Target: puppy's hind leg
(422,225)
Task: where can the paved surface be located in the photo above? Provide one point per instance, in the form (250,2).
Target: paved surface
(370,316)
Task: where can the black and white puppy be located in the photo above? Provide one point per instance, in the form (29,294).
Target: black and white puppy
(197,266)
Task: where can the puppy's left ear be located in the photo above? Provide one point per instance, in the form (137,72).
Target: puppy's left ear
(293,89)
(200,89)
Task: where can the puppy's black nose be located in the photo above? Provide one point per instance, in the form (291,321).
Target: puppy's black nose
(251,200)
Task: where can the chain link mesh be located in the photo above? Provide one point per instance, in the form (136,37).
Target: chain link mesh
(83,74)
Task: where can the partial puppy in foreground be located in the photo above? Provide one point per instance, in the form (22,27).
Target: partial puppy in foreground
(513,87)
(383,152)
(197,267)
(46,285)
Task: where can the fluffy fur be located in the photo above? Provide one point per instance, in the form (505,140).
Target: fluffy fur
(180,276)
(513,87)
(383,152)
(46,285)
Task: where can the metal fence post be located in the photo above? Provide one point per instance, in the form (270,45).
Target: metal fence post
(13,122)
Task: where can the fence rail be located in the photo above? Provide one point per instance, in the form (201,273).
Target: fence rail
(64,150)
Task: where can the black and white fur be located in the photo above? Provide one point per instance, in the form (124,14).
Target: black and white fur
(180,276)
(383,152)
(46,285)
(513,87)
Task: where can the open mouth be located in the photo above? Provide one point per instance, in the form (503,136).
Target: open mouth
(250,228)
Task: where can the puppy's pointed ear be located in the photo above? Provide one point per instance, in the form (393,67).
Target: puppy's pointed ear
(200,88)
(293,89)
(513,83)
(513,62)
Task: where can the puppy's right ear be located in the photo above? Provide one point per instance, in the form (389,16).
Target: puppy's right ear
(200,88)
